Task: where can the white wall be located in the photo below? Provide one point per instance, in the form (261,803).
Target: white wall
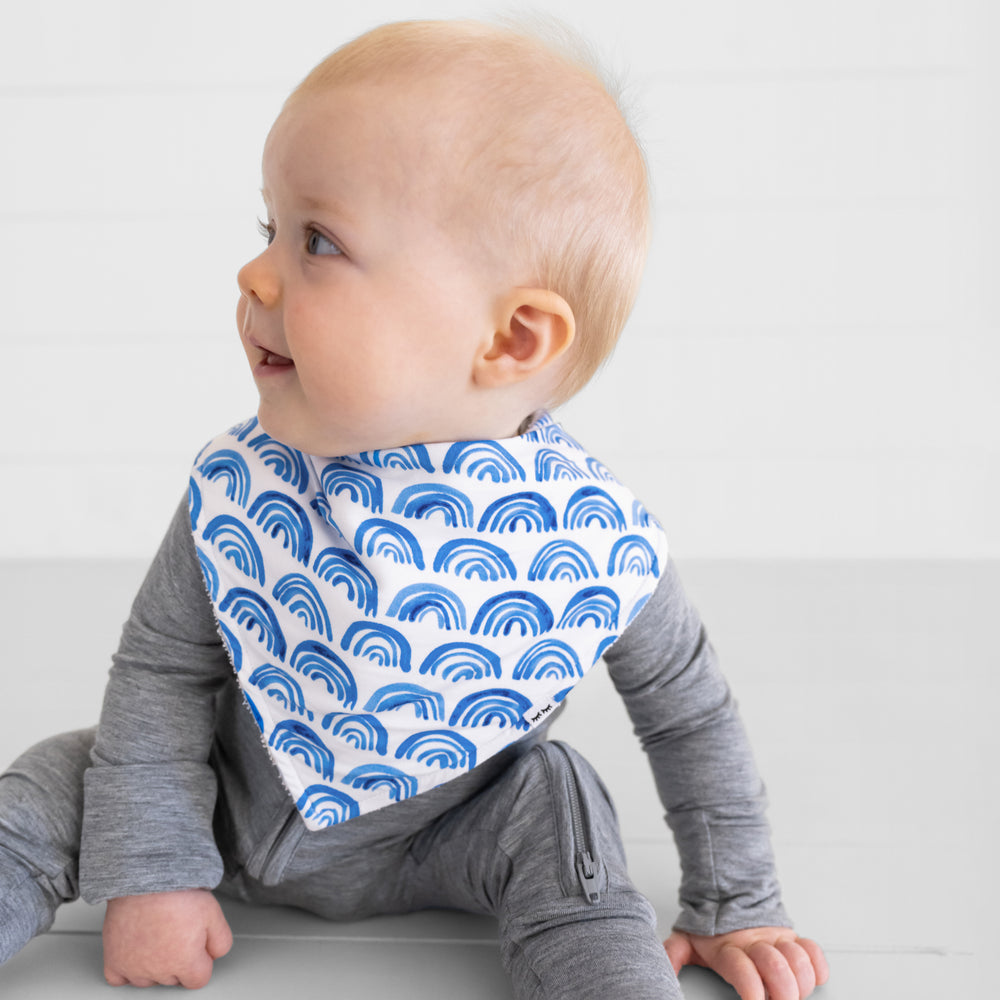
(811,368)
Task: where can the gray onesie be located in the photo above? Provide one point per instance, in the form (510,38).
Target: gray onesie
(180,793)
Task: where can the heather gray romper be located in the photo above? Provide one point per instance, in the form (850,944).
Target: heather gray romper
(174,790)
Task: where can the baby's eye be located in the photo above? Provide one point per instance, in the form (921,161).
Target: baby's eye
(318,244)
(266,230)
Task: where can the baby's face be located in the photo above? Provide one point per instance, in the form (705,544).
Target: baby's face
(361,319)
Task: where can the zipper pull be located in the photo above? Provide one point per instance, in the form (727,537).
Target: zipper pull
(586,870)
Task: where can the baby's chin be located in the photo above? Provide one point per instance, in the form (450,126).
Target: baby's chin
(308,440)
(282,431)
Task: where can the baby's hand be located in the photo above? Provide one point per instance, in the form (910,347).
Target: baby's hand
(164,938)
(759,962)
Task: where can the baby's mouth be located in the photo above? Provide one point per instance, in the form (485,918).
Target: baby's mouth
(273,360)
(267,359)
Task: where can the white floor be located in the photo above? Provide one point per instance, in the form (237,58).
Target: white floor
(870,690)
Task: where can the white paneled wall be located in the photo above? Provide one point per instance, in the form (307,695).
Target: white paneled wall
(811,368)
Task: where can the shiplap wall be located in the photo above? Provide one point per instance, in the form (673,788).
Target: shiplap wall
(811,368)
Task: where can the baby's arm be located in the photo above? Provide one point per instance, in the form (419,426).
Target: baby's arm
(733,920)
(148,846)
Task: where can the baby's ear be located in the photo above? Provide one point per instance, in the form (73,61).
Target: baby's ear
(534,328)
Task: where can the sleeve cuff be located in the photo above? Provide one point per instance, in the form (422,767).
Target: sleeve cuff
(148,828)
(729,882)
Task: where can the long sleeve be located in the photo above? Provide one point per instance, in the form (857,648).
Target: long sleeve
(686,719)
(150,792)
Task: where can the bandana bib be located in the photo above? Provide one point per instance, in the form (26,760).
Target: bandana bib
(396,617)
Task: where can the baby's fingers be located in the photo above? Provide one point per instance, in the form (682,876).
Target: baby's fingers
(818,959)
(782,971)
(739,970)
(761,972)
(801,964)
(779,979)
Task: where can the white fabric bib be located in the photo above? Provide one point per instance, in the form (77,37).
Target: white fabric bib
(396,617)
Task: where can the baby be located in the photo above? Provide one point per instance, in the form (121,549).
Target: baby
(335,685)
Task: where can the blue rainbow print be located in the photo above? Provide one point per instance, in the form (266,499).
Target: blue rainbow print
(637,607)
(230,468)
(235,543)
(210,573)
(279,687)
(281,517)
(317,662)
(633,554)
(232,646)
(461,661)
(395,616)
(641,517)
(286,463)
(298,593)
(379,643)
(474,557)
(378,537)
(369,777)
(590,507)
(527,510)
(551,465)
(599,470)
(363,732)
(326,806)
(296,739)
(408,459)
(494,707)
(424,500)
(595,605)
(483,460)
(342,567)
(360,486)
(194,503)
(606,644)
(321,505)
(426,704)
(439,748)
(249,609)
(516,609)
(549,659)
(243,430)
(546,431)
(428,600)
(254,710)
(562,559)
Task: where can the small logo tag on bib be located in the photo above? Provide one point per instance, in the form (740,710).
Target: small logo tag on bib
(537,713)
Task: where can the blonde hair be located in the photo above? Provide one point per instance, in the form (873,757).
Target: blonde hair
(542,156)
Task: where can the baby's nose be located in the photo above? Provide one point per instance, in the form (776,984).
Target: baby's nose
(259,279)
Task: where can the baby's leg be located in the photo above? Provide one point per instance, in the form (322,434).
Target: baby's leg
(541,849)
(41,807)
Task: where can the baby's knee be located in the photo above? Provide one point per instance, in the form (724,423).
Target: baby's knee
(41,800)
(41,809)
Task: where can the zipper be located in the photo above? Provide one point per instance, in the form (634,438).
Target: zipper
(586,867)
(275,854)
